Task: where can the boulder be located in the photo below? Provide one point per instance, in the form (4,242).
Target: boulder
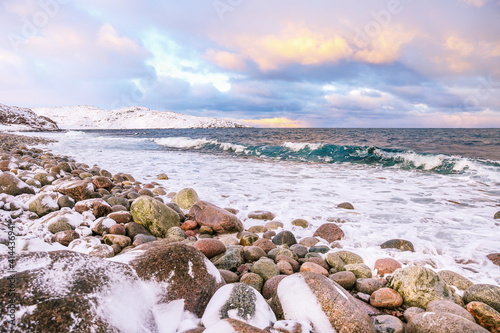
(182,272)
(241,302)
(103,182)
(231,259)
(485,315)
(346,279)
(210,247)
(400,244)
(449,307)
(98,207)
(386,266)
(419,286)
(388,324)
(77,189)
(386,298)
(219,219)
(329,232)
(345,205)
(485,293)
(433,322)
(261,215)
(154,215)
(314,299)
(62,220)
(266,268)
(186,198)
(64,292)
(284,237)
(44,204)
(360,270)
(12,185)
(455,279)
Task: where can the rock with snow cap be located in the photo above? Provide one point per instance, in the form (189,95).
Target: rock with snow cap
(12,185)
(241,302)
(325,305)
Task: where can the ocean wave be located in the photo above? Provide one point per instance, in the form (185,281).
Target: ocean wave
(329,153)
(189,143)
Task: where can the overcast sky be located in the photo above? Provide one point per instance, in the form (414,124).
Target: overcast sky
(322,63)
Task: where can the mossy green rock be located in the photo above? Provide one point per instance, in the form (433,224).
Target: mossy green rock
(154,215)
(186,198)
(486,293)
(419,286)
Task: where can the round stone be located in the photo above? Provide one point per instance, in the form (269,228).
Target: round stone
(386,298)
(346,279)
(386,266)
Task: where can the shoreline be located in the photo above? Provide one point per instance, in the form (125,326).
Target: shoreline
(68,179)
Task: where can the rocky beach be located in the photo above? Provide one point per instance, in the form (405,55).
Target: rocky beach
(85,250)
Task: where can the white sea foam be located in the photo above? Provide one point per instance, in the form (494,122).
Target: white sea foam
(189,143)
(297,146)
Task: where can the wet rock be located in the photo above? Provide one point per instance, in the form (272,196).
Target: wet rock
(238,301)
(284,237)
(261,215)
(319,249)
(309,241)
(274,225)
(335,262)
(78,190)
(253,253)
(265,244)
(114,201)
(386,266)
(219,219)
(485,315)
(495,258)
(319,261)
(98,207)
(266,268)
(369,285)
(210,247)
(312,267)
(117,229)
(123,217)
(65,201)
(497,215)
(189,225)
(140,239)
(253,280)
(329,232)
(231,259)
(182,271)
(400,244)
(345,205)
(299,250)
(326,306)
(411,311)
(186,198)
(284,267)
(346,280)
(176,233)
(133,229)
(360,270)
(154,215)
(485,293)
(388,324)
(274,253)
(449,307)
(419,286)
(455,279)
(300,223)
(10,184)
(248,238)
(228,276)
(257,229)
(432,322)
(386,298)
(293,263)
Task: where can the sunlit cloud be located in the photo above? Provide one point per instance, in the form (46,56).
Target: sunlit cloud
(274,123)
(226,60)
(386,47)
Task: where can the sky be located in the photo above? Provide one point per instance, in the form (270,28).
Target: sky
(322,63)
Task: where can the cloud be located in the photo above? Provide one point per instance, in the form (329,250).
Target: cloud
(274,123)
(226,60)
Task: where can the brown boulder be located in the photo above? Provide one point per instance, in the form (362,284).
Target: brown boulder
(210,247)
(329,232)
(386,298)
(77,190)
(386,266)
(103,182)
(99,207)
(219,219)
(182,271)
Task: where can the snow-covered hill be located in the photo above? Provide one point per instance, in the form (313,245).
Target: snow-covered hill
(90,117)
(13,118)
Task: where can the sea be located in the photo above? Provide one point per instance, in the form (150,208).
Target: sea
(438,188)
